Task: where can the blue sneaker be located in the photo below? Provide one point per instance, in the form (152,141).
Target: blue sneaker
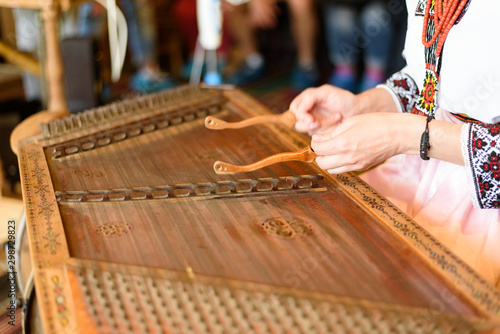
(146,82)
(304,77)
(245,74)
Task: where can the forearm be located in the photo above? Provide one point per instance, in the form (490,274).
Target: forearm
(474,146)
(444,138)
(375,100)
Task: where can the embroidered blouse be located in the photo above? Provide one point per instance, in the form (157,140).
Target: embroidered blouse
(469,88)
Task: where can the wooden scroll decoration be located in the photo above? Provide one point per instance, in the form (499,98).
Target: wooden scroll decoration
(287,119)
(305,155)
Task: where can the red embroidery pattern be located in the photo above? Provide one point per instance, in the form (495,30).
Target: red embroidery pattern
(483,156)
(493,166)
(477,144)
(484,187)
(405,88)
(494,129)
(403,83)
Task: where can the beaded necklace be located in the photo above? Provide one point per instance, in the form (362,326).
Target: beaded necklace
(439,18)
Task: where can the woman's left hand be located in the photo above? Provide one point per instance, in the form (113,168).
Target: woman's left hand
(361,141)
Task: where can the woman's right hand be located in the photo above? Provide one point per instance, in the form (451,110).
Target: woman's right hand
(318,109)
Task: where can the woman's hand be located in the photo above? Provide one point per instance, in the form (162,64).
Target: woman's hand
(356,132)
(318,109)
(363,141)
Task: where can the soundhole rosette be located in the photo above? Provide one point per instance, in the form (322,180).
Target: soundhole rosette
(288,228)
(113,230)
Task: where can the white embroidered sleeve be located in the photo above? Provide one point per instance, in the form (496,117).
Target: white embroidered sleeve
(403,90)
(481,150)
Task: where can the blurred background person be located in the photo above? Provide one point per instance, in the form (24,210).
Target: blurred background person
(359,35)
(243,21)
(142,41)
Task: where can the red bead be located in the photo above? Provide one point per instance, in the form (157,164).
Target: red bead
(445,15)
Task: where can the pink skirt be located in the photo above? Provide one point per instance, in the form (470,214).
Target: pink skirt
(437,195)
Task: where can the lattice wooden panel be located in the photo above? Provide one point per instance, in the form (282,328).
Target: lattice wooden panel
(136,304)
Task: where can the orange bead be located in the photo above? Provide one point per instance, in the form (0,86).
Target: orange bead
(445,15)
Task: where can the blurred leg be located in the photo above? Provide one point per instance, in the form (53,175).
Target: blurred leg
(142,41)
(305,31)
(340,25)
(241,30)
(248,55)
(141,31)
(377,26)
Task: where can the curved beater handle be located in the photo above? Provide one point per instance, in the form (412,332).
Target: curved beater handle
(306,155)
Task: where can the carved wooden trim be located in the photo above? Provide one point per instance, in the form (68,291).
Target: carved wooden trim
(457,272)
(200,191)
(46,235)
(41,206)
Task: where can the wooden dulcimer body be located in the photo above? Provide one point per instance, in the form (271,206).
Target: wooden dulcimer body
(131,231)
